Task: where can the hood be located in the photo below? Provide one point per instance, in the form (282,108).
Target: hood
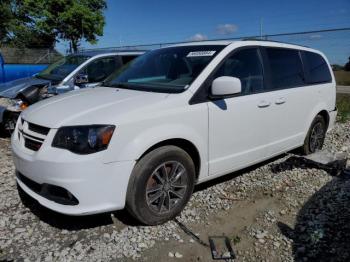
(101,105)
(12,88)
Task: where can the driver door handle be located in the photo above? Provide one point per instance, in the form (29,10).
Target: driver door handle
(264,103)
(280,101)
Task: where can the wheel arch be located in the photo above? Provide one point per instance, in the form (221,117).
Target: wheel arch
(185,145)
(320,109)
(325,115)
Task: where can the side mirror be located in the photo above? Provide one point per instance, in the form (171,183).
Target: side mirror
(225,86)
(81,79)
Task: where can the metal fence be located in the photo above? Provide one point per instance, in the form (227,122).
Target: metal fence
(12,55)
(335,43)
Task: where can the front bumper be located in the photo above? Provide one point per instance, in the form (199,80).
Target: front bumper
(98,187)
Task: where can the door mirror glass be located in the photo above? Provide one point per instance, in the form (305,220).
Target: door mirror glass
(81,79)
(225,86)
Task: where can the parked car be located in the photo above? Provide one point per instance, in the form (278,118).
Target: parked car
(81,70)
(173,118)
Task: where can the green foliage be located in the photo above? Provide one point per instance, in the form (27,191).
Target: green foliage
(236,239)
(347,66)
(17,28)
(343,105)
(342,77)
(6,18)
(43,22)
(337,67)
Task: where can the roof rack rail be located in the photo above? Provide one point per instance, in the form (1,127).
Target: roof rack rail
(273,41)
(110,49)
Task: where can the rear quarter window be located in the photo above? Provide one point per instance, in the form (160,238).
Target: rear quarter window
(316,68)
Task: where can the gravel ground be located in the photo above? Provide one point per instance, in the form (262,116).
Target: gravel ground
(308,222)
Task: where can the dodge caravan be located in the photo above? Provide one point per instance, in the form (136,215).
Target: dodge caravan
(172,118)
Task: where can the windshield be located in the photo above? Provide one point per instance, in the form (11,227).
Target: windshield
(63,67)
(170,69)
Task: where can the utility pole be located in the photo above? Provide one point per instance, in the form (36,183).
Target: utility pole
(261,28)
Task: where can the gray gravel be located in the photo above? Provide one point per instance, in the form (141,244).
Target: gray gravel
(30,232)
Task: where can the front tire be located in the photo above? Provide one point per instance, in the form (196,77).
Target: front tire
(160,185)
(315,137)
(9,123)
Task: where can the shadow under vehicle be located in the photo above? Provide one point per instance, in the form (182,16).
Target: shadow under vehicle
(322,228)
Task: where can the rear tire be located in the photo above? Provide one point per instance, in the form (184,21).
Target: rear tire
(315,137)
(160,185)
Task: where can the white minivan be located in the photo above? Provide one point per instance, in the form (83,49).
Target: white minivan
(172,118)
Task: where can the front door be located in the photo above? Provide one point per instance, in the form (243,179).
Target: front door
(239,127)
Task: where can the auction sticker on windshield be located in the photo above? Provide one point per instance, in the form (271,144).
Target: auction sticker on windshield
(201,53)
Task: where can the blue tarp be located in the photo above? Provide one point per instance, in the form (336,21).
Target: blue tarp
(15,71)
(9,72)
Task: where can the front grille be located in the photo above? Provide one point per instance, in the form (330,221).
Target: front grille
(38,129)
(32,145)
(54,193)
(33,135)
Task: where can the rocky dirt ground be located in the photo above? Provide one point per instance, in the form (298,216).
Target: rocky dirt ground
(287,215)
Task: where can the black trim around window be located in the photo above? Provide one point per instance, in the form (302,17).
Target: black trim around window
(307,69)
(270,87)
(202,94)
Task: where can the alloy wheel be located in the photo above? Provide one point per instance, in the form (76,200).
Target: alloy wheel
(166,187)
(317,137)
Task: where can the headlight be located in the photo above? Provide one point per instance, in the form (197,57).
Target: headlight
(19,105)
(84,140)
(15,105)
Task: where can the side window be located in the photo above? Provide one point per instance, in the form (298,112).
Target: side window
(245,65)
(316,68)
(286,68)
(100,69)
(127,58)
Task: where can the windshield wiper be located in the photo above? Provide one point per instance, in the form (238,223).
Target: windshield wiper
(44,77)
(49,77)
(40,77)
(118,85)
(146,87)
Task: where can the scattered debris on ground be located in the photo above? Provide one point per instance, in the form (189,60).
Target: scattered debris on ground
(285,215)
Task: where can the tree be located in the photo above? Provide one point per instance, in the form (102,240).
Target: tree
(5,19)
(41,23)
(337,67)
(17,28)
(67,20)
(347,66)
